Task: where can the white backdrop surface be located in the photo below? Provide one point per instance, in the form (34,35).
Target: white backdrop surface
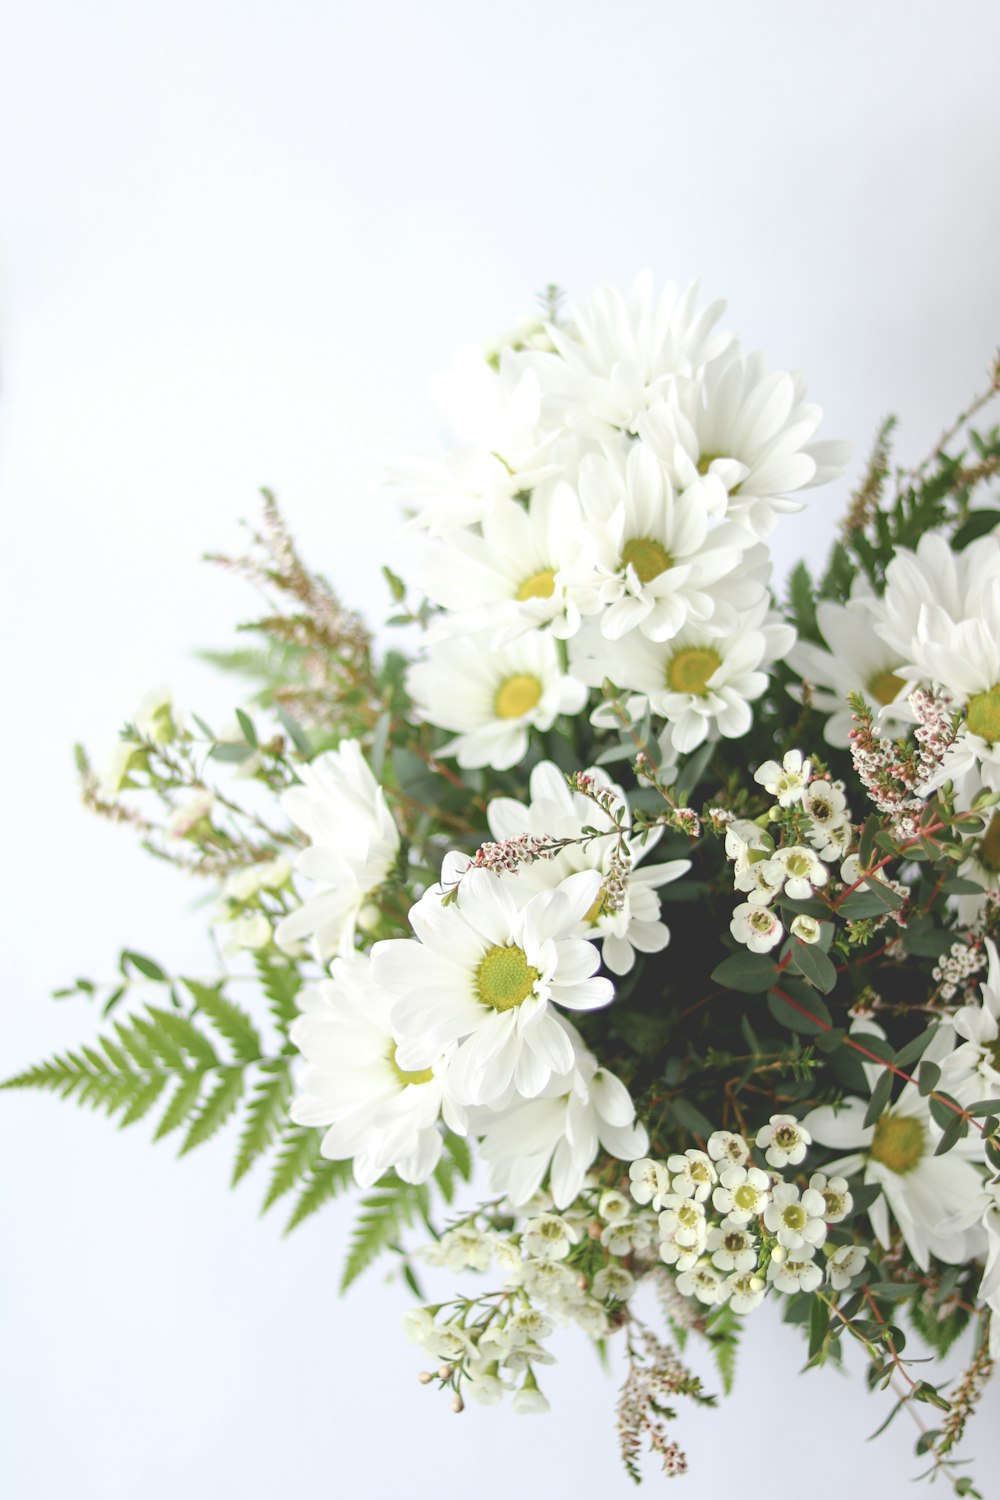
(236,242)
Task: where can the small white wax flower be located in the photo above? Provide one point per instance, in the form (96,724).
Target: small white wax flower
(846,1262)
(703,1282)
(613,1281)
(783,1140)
(805,928)
(802,869)
(649,1181)
(742,1194)
(788,781)
(732,1248)
(757,927)
(796,1220)
(745,1291)
(693,1175)
(836,1196)
(613,1206)
(548,1237)
(798,1273)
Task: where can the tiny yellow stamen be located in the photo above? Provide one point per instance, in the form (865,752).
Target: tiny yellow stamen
(690,669)
(898,1143)
(539,586)
(647,557)
(422,1075)
(517,696)
(504,978)
(983,715)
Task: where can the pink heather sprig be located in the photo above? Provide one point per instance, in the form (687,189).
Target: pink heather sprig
(506,856)
(898,777)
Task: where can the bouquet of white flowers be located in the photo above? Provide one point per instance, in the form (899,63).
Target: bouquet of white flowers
(659,913)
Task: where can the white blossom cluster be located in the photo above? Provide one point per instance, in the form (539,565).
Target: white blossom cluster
(762,870)
(936,627)
(730,1228)
(604,516)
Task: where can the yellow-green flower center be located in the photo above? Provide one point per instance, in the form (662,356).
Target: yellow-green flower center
(517,695)
(884,686)
(735,1241)
(422,1075)
(745,1197)
(795,1216)
(706,461)
(539,585)
(647,557)
(504,978)
(983,715)
(993,1048)
(689,670)
(898,1143)
(989,849)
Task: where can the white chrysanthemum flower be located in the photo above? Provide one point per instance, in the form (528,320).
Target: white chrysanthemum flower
(743,1194)
(531,568)
(648,1181)
(846,1262)
(796,1219)
(858,661)
(922,1190)
(557,811)
(732,1248)
(699,682)
(963,657)
(491,697)
(836,1195)
(660,562)
(748,429)
(560,1132)
(353,846)
(799,1273)
(783,1140)
(972,1071)
(484,974)
(702,1281)
(727,1147)
(614,356)
(959,584)
(683,1231)
(502,450)
(383,1115)
(744,1290)
(692,1175)
(756,926)
(787,781)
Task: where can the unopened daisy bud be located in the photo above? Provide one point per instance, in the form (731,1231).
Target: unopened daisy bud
(457,1404)
(805,928)
(425,1377)
(445,1372)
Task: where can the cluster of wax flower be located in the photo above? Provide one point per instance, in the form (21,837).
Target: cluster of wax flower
(729,1229)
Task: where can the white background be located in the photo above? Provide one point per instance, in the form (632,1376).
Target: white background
(237,240)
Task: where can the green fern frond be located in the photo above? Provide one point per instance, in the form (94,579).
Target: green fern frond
(281,983)
(299,1149)
(180,1030)
(384,1214)
(457,1147)
(228,1018)
(215,1109)
(266,1113)
(182,1104)
(325,1181)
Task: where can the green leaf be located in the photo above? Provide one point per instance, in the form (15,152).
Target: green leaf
(265,1115)
(819,1018)
(819,1322)
(281,983)
(182,1104)
(694,768)
(298,1150)
(879,1101)
(144,1098)
(815,965)
(944,1108)
(984,1107)
(951,1135)
(228,1019)
(980,523)
(295,732)
(915,1049)
(326,1179)
(142,965)
(928,1077)
(457,1148)
(383,1215)
(246,724)
(179,1029)
(751,973)
(689,1116)
(215,1109)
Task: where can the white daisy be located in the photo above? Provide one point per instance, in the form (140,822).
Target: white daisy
(353,846)
(660,562)
(614,356)
(502,453)
(972,1071)
(922,1190)
(532,567)
(383,1115)
(858,661)
(484,973)
(561,813)
(560,1132)
(698,682)
(745,428)
(957,583)
(491,697)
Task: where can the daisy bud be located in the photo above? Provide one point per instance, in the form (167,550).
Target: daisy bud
(425,1377)
(445,1372)
(457,1404)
